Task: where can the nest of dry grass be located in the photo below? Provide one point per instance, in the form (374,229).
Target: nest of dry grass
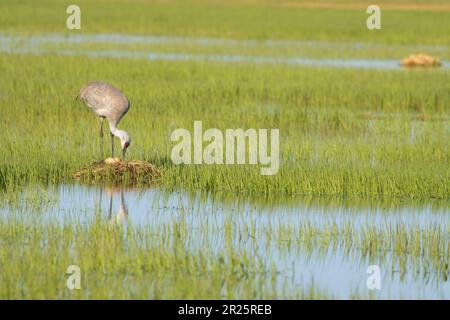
(116,170)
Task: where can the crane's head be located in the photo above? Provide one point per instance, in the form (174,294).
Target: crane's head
(125,142)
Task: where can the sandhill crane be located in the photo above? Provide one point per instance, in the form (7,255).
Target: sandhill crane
(110,103)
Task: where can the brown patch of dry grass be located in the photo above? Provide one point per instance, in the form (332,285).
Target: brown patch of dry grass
(404,6)
(420,60)
(115,170)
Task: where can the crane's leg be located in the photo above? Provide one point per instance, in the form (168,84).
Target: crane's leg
(112,145)
(101,139)
(110,207)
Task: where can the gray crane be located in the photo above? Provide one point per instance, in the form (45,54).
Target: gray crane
(110,103)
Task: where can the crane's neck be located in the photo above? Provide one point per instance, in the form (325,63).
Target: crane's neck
(117,132)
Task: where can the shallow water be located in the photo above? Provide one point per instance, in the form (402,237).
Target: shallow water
(48,44)
(332,269)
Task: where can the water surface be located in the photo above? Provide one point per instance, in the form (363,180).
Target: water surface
(57,44)
(333,269)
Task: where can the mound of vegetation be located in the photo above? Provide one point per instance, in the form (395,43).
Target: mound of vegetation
(420,60)
(115,170)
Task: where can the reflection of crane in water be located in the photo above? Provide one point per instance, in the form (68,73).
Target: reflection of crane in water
(122,214)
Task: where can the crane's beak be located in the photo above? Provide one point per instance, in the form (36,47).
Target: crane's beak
(124,150)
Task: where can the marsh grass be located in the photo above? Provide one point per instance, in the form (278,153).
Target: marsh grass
(328,146)
(153,265)
(231,258)
(225,19)
(357,136)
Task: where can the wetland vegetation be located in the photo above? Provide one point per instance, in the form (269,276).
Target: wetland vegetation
(368,144)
